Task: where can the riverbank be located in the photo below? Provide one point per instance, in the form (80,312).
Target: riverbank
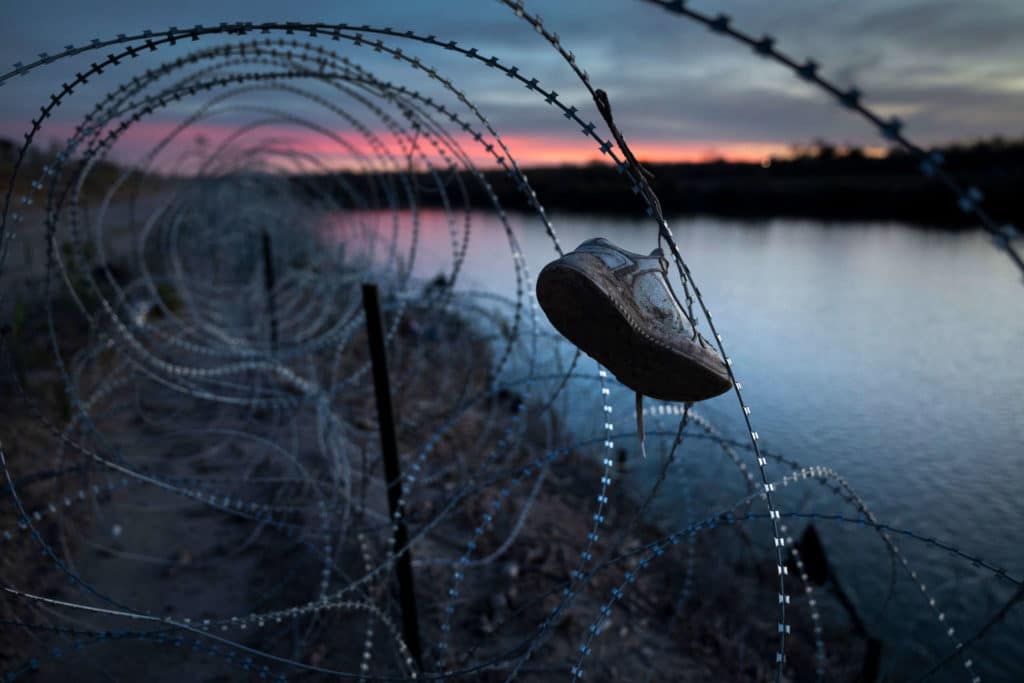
(701,610)
(826,185)
(836,185)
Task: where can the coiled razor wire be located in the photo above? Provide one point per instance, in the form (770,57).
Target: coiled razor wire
(189,382)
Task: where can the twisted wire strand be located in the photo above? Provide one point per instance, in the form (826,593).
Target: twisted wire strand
(179,348)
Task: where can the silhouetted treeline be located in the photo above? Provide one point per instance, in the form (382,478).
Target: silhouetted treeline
(823,183)
(817,182)
(102,174)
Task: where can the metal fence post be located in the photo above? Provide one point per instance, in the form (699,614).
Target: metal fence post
(392,474)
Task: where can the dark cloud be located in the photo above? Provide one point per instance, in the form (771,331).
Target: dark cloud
(938,25)
(951,69)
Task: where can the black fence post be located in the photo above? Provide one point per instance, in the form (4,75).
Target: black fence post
(819,571)
(392,475)
(268,282)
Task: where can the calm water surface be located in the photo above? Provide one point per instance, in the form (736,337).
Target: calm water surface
(892,354)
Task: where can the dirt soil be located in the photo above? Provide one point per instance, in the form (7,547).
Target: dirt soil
(703,611)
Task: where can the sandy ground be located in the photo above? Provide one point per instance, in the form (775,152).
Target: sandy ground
(703,611)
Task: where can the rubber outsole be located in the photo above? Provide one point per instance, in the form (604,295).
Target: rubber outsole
(586,316)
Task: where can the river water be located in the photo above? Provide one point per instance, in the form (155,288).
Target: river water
(892,354)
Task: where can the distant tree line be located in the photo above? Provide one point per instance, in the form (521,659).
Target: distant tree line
(101,176)
(819,181)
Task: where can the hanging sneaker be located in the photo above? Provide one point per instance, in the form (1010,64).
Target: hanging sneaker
(619,308)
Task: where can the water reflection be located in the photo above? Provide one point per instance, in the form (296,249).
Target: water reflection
(888,353)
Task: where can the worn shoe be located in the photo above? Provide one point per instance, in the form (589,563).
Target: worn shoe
(619,308)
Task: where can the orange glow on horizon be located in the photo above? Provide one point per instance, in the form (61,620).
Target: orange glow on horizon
(539,150)
(355,152)
(550,150)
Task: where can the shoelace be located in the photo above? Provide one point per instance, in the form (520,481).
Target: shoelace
(643,175)
(640,423)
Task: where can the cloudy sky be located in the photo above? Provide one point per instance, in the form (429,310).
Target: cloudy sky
(953,70)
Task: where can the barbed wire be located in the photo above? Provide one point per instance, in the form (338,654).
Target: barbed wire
(189,383)
(969,199)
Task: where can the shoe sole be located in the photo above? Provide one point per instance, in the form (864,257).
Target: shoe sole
(579,309)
